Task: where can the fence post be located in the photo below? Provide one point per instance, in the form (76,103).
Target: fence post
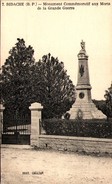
(1,121)
(36,109)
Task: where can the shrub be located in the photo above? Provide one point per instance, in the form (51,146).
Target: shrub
(84,128)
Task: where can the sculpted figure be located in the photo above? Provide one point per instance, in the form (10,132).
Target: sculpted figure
(83,45)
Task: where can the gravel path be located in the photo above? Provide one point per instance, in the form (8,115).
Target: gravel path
(27,166)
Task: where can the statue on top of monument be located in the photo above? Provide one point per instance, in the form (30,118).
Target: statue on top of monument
(83,45)
(82,52)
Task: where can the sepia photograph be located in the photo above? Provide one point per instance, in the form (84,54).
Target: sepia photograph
(56,92)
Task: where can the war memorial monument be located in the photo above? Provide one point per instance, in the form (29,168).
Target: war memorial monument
(83,106)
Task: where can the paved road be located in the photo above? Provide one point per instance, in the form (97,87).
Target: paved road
(22,165)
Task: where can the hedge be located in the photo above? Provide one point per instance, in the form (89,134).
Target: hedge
(84,128)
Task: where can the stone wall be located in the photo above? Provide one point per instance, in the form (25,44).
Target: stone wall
(76,144)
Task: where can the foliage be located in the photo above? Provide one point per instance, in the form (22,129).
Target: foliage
(108,97)
(105,105)
(85,128)
(101,105)
(15,78)
(22,82)
(55,91)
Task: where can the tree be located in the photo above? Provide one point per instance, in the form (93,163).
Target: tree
(105,105)
(101,105)
(108,101)
(23,81)
(55,91)
(15,83)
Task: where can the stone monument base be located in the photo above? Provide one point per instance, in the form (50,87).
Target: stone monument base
(85,110)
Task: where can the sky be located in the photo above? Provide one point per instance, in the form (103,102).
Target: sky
(60,32)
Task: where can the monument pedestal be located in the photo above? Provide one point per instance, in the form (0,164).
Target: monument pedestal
(86,111)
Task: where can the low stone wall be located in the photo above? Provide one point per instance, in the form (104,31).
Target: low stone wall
(76,144)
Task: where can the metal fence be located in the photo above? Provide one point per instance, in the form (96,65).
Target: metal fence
(14,122)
